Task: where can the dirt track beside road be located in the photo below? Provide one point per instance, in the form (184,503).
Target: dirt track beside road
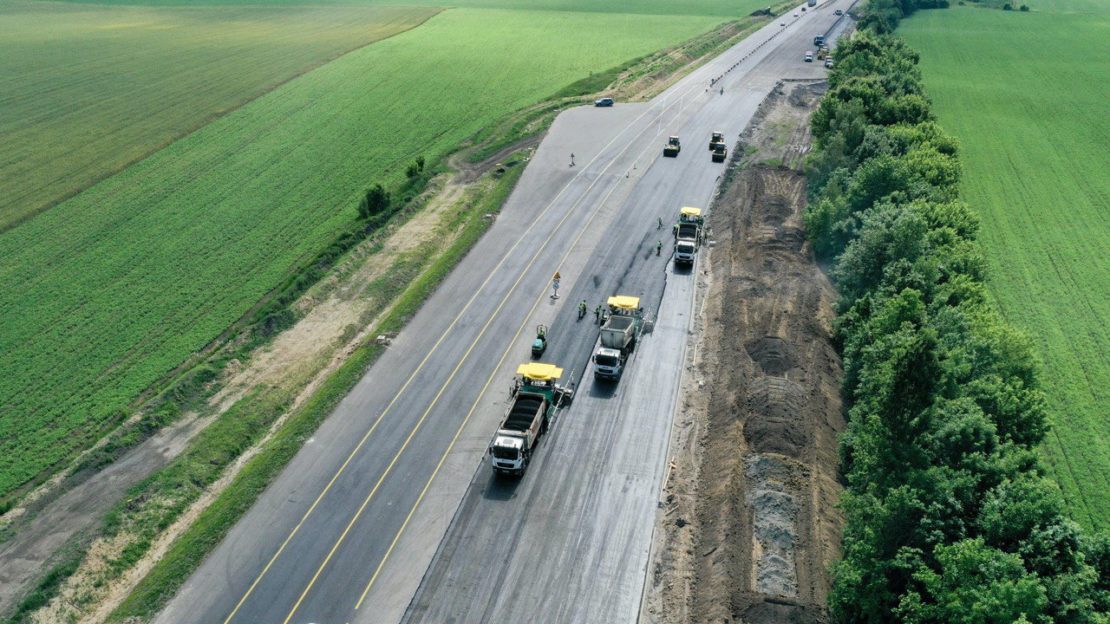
(749,524)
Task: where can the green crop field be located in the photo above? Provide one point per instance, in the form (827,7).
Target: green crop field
(87,90)
(108,291)
(1027,95)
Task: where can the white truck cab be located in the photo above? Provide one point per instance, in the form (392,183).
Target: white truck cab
(507,454)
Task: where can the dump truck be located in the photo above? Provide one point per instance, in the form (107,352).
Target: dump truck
(672,148)
(717,138)
(536,397)
(619,334)
(687,235)
(720,153)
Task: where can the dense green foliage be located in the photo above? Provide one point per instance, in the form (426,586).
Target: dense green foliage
(949,517)
(1034,128)
(109,291)
(90,89)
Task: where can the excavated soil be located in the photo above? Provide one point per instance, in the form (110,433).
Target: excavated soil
(754,470)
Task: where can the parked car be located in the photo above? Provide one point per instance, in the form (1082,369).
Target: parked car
(605,101)
(809,57)
(838,12)
(828,63)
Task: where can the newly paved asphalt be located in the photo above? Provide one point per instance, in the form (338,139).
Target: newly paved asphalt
(390,503)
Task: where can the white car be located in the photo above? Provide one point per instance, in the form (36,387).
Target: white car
(809,57)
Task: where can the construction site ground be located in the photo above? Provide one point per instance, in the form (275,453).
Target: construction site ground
(748,525)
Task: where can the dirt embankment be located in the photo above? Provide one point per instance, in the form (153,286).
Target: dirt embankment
(749,524)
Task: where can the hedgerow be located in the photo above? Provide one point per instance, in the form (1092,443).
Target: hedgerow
(950,517)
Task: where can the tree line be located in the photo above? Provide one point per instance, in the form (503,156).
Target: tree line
(951,518)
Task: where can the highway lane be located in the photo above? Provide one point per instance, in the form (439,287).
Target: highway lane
(570,541)
(308,550)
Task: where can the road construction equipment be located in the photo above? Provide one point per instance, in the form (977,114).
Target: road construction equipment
(618,337)
(717,138)
(687,235)
(720,153)
(672,148)
(539,345)
(536,398)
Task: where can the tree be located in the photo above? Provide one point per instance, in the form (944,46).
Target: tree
(375,201)
(974,584)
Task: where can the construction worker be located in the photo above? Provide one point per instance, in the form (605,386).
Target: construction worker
(658,247)
(597,313)
(581,309)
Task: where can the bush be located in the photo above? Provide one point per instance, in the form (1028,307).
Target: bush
(1024,8)
(1007,7)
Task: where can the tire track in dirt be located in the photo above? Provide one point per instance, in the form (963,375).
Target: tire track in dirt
(749,525)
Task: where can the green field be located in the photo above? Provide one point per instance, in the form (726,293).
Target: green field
(107,292)
(717,8)
(89,89)
(1027,94)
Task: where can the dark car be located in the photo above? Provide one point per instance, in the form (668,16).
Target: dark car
(838,12)
(606,101)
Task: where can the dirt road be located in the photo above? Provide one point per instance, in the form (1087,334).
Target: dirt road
(749,524)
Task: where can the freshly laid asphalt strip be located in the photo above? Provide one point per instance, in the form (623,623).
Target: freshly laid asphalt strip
(360,512)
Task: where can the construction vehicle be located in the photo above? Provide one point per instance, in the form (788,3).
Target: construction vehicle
(687,236)
(619,334)
(672,148)
(720,153)
(718,137)
(536,397)
(539,345)
(823,53)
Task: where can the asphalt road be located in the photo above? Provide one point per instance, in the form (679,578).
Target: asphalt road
(347,532)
